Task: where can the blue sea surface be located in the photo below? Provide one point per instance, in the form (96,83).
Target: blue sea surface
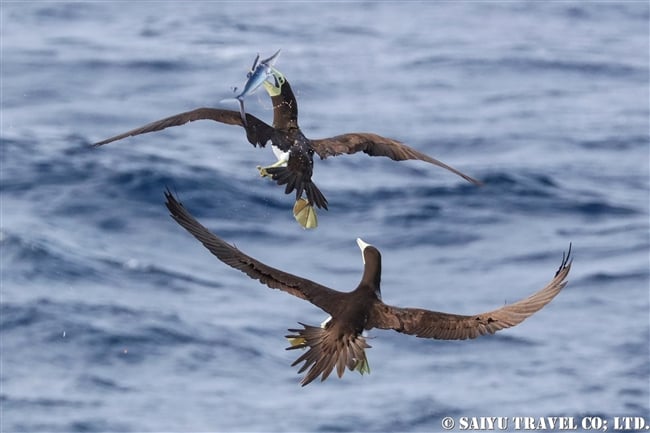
(113,318)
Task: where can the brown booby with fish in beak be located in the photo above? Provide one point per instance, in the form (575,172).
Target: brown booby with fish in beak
(294,151)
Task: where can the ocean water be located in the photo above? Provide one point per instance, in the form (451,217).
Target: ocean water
(114,319)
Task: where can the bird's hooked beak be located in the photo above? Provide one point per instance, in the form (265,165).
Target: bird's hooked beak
(362,247)
(274,89)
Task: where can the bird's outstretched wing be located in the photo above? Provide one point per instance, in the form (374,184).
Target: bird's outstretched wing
(443,326)
(376,145)
(321,296)
(258,132)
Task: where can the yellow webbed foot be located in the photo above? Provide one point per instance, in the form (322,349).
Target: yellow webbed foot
(362,366)
(279,163)
(305,214)
(262,171)
(296,341)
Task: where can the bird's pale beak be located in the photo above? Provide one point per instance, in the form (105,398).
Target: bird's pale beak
(362,244)
(275,88)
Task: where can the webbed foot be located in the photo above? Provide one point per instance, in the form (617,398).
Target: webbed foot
(362,366)
(262,171)
(305,214)
(296,341)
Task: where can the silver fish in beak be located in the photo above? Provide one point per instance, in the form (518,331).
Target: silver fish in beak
(258,74)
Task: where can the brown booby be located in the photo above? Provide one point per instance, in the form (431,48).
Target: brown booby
(339,341)
(295,152)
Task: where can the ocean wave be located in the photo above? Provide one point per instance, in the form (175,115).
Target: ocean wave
(529,64)
(27,259)
(541,194)
(41,402)
(114,319)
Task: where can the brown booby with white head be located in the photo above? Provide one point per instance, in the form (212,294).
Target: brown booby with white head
(295,151)
(339,342)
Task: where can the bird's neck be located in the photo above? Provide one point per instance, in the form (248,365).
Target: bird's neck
(285,109)
(371,280)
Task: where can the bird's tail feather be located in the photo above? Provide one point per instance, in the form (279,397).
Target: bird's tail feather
(325,351)
(293,180)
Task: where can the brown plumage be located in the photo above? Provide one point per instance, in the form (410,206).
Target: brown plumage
(258,132)
(339,343)
(285,134)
